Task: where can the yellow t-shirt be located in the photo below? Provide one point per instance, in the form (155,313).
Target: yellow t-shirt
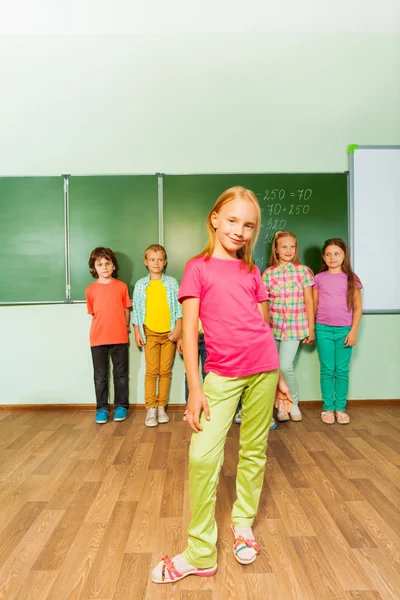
(201,330)
(158,315)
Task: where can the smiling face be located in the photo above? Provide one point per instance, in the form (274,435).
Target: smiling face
(234,227)
(286,249)
(104,268)
(334,257)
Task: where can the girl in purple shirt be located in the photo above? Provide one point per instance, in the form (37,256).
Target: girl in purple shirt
(223,287)
(338,307)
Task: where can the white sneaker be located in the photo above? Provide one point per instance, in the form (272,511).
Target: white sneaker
(295,413)
(281,416)
(151,417)
(162,416)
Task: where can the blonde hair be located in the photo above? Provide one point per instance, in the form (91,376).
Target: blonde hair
(274,259)
(155,248)
(234,193)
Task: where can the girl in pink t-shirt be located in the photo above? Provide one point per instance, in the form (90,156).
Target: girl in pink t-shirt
(223,287)
(338,306)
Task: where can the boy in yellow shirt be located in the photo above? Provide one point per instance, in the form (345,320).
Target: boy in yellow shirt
(157,319)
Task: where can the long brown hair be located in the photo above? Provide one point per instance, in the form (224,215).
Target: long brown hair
(346,268)
(233,193)
(274,259)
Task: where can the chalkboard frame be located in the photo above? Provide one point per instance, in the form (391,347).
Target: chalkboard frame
(160,225)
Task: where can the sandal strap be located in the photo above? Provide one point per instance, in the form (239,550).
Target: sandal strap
(170,567)
(240,543)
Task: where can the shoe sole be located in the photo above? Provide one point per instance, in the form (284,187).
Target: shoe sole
(296,418)
(151,424)
(244,562)
(204,573)
(101,422)
(161,422)
(120,419)
(283,419)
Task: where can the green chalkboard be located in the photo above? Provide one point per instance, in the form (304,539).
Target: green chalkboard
(118,212)
(32,239)
(313,206)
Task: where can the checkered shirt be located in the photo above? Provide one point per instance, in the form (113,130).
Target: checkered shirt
(139,301)
(285,286)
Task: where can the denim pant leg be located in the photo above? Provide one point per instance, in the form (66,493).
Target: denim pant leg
(120,358)
(342,366)
(325,339)
(203,354)
(287,353)
(101,375)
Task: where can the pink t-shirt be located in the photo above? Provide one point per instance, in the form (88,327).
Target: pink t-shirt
(238,340)
(332,299)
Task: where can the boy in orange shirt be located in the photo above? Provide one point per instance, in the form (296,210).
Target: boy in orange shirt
(108,302)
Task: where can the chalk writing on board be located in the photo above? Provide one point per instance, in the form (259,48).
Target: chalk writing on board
(278,207)
(281,194)
(260,263)
(291,209)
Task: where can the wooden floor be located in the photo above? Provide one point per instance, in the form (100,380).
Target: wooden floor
(86,510)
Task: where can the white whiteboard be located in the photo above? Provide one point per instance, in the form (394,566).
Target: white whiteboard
(375,225)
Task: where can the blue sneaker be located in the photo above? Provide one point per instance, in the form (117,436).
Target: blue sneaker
(102,416)
(120,413)
(238,417)
(273,424)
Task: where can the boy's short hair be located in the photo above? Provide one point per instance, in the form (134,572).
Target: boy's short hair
(155,248)
(101,252)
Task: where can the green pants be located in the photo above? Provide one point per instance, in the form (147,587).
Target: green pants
(207,453)
(287,353)
(334,358)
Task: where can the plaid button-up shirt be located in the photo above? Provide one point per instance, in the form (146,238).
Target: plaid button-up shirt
(285,286)
(139,301)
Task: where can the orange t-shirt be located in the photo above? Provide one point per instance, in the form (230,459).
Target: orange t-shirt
(106,302)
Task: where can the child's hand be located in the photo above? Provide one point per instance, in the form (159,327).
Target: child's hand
(196,403)
(310,339)
(175,335)
(283,398)
(179,346)
(139,340)
(351,338)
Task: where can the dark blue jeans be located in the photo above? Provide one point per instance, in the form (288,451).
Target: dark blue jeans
(203,357)
(119,356)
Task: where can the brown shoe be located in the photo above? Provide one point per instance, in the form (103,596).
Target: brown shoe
(328,416)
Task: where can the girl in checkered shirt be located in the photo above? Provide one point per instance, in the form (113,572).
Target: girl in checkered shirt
(291,310)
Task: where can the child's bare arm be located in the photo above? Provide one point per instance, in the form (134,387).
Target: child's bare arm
(138,337)
(263,308)
(197,399)
(309,302)
(176,333)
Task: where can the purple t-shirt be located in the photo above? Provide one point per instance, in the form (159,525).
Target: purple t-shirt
(238,340)
(332,299)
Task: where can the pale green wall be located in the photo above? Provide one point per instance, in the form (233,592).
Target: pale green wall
(202,103)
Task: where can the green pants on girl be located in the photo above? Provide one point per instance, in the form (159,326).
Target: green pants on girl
(207,453)
(334,358)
